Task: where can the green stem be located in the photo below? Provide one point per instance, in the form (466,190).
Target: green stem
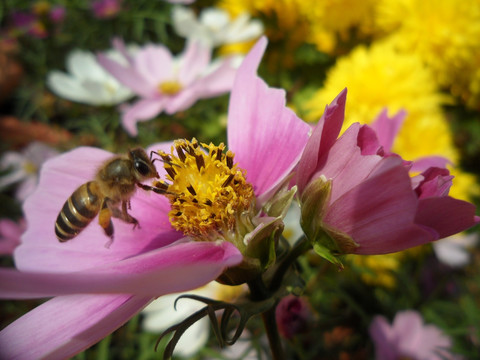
(270,323)
(259,292)
(298,249)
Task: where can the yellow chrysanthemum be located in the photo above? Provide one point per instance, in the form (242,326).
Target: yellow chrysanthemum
(444,33)
(379,77)
(322,23)
(465,185)
(332,21)
(377,270)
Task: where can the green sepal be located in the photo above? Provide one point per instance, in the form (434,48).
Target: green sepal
(313,201)
(326,254)
(279,204)
(258,255)
(326,242)
(263,242)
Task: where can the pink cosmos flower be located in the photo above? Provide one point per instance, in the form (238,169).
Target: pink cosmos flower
(408,337)
(98,289)
(365,199)
(166,83)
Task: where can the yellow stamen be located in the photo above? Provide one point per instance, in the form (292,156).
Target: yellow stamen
(208,193)
(170,87)
(30,168)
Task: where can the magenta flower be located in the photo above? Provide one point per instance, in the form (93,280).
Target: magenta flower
(293,316)
(166,83)
(409,338)
(105,9)
(98,289)
(28,23)
(365,199)
(57,14)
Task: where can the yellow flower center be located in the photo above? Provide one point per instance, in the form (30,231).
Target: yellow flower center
(170,87)
(30,168)
(209,195)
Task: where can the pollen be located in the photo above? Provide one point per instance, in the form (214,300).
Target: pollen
(170,87)
(208,192)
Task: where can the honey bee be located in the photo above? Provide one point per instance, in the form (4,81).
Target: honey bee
(114,185)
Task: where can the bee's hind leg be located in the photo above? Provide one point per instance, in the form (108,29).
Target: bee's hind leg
(105,221)
(123,213)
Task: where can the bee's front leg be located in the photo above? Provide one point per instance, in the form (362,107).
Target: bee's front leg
(159,187)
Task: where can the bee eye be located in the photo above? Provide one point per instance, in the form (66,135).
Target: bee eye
(141,167)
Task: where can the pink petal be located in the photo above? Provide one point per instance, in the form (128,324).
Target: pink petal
(324,136)
(67,325)
(408,327)
(266,137)
(60,176)
(10,233)
(446,215)
(381,333)
(142,110)
(368,142)
(183,100)
(387,128)
(194,60)
(378,217)
(158,272)
(346,165)
(218,82)
(424,163)
(436,183)
(127,76)
(155,64)
(119,45)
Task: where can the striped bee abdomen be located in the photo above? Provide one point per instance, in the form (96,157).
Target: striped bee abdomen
(78,211)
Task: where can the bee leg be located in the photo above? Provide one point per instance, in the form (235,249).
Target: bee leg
(123,213)
(159,188)
(127,217)
(105,220)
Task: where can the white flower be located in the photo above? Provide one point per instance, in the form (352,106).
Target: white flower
(215,27)
(160,315)
(453,250)
(23,167)
(87,82)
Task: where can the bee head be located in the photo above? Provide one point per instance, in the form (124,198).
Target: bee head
(142,165)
